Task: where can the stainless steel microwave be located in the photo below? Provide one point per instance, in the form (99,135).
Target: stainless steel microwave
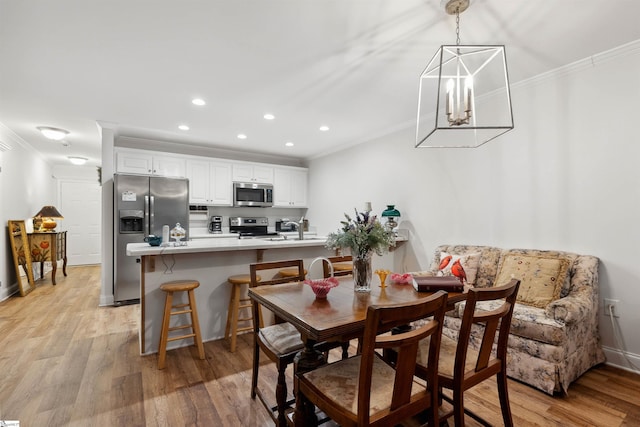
(252,194)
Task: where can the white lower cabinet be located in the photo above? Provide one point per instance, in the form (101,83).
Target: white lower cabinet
(209,182)
(290,187)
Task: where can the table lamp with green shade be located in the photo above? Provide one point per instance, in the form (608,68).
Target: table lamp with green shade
(44,220)
(391,213)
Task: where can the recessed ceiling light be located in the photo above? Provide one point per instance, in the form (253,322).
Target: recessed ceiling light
(77,160)
(199,102)
(324,128)
(289,144)
(269,116)
(53,133)
(183,127)
(242,136)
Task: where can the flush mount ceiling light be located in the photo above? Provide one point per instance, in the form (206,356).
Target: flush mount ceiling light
(323,128)
(183,127)
(199,102)
(53,133)
(242,136)
(289,144)
(77,160)
(269,116)
(470,87)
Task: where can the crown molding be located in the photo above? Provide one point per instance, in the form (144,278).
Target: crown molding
(625,50)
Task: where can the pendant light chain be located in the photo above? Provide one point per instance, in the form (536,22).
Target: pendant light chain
(458,26)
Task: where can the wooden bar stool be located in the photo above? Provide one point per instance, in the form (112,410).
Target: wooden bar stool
(238,302)
(190,307)
(342,265)
(289,272)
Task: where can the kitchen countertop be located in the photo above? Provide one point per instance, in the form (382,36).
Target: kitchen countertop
(207,235)
(199,234)
(221,244)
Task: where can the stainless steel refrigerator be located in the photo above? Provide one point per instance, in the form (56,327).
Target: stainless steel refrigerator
(142,205)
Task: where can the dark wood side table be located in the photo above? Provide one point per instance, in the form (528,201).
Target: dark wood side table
(49,246)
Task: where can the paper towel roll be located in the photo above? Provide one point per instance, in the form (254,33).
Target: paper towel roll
(165,234)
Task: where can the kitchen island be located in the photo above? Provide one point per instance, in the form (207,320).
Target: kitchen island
(211,261)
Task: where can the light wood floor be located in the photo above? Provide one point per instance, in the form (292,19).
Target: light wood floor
(64,361)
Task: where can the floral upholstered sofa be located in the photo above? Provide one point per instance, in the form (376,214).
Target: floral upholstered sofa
(554,334)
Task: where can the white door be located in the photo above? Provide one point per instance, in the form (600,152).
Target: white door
(80,204)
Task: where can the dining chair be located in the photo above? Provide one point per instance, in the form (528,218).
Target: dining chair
(280,341)
(338,266)
(461,366)
(364,390)
(342,265)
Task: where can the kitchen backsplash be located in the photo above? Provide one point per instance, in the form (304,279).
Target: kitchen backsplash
(199,220)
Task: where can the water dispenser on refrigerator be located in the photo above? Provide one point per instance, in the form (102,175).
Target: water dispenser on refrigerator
(130,221)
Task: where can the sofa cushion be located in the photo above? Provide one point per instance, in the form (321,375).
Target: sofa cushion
(541,277)
(488,266)
(468,262)
(572,257)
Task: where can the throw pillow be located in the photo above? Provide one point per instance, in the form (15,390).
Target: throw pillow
(463,266)
(541,278)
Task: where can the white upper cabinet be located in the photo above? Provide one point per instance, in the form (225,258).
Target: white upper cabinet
(172,166)
(247,172)
(221,184)
(198,175)
(144,162)
(290,187)
(209,182)
(134,162)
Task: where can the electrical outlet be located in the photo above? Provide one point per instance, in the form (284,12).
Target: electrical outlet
(611,306)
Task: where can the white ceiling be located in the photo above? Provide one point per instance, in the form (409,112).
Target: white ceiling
(350,64)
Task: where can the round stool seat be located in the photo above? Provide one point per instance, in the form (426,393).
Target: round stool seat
(342,266)
(241,279)
(290,272)
(179,286)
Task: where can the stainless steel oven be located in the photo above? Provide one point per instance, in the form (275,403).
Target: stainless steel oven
(252,194)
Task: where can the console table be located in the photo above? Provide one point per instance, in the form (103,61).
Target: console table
(49,246)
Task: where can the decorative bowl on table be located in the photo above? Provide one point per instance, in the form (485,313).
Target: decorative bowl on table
(401,279)
(321,287)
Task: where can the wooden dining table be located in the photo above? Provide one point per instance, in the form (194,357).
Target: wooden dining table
(338,317)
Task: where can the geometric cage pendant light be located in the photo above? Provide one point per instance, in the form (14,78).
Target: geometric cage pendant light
(464,100)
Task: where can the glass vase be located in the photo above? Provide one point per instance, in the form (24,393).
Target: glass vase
(362,273)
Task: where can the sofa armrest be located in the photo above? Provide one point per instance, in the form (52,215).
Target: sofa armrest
(582,301)
(570,309)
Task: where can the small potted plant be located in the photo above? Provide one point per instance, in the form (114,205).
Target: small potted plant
(363,235)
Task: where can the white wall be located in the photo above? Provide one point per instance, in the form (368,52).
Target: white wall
(565,178)
(26,184)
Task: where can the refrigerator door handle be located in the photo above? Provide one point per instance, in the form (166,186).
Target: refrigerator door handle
(152,211)
(146,216)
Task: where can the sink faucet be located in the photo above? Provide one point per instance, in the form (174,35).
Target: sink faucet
(300,226)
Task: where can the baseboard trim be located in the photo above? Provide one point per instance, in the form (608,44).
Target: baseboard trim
(618,358)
